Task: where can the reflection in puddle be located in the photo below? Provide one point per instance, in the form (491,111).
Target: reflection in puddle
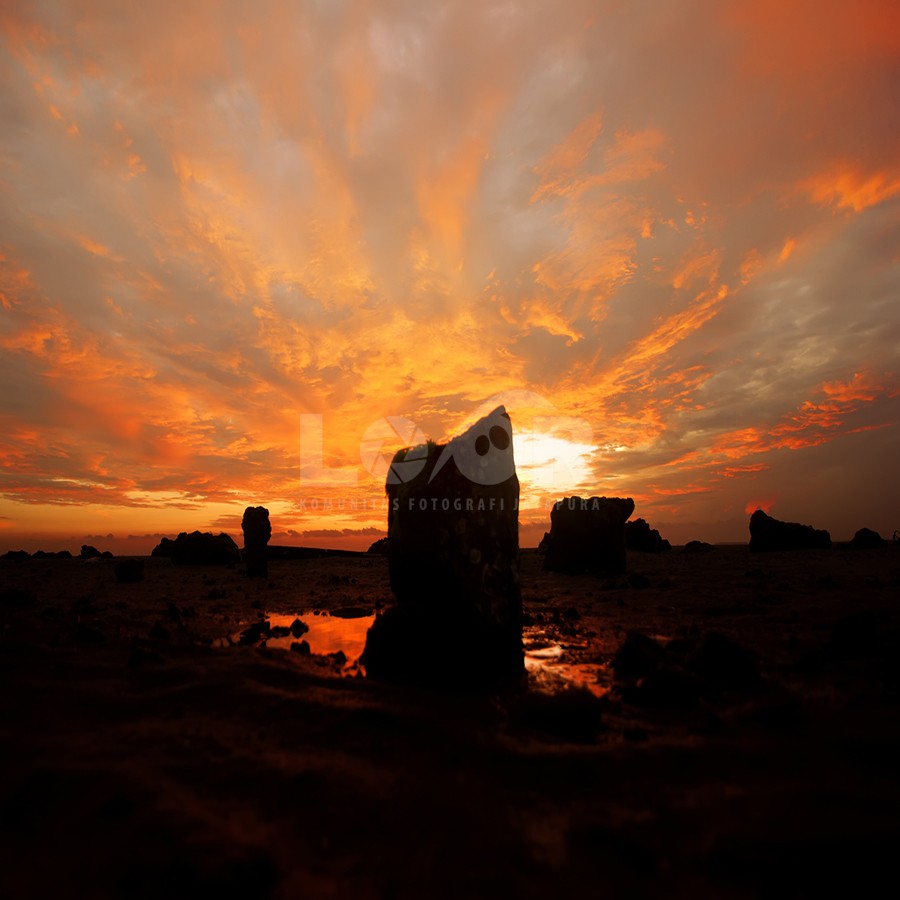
(344,635)
(548,671)
(327,634)
(341,635)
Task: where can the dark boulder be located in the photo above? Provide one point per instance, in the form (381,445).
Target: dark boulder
(588,535)
(665,687)
(199,549)
(453,559)
(257,531)
(638,655)
(89,552)
(866,539)
(17,554)
(379,547)
(641,537)
(697,547)
(768,534)
(676,674)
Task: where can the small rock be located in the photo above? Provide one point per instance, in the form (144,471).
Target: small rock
(664,687)
(637,656)
(255,632)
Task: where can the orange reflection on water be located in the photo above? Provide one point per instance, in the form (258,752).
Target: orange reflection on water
(550,670)
(327,633)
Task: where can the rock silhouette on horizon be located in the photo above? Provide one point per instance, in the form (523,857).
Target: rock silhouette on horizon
(768,534)
(641,537)
(199,549)
(867,539)
(453,559)
(257,531)
(587,535)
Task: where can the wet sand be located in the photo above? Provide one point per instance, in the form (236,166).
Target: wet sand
(146,752)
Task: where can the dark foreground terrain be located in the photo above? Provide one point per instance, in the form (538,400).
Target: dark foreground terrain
(745,744)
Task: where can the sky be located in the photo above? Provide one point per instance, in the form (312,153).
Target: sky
(248,250)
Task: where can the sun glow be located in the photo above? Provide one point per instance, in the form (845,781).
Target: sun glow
(549,464)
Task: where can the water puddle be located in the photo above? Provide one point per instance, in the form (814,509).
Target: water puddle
(341,635)
(550,670)
(327,634)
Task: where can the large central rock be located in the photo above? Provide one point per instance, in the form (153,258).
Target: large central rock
(453,554)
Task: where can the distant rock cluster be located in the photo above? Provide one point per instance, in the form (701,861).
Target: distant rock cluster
(199,549)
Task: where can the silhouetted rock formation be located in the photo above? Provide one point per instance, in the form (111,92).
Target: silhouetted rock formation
(257,531)
(588,535)
(767,534)
(698,547)
(199,549)
(51,554)
(453,546)
(89,552)
(866,539)
(17,554)
(641,537)
(379,547)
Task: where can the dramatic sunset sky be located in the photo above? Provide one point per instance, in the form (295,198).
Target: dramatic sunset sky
(247,249)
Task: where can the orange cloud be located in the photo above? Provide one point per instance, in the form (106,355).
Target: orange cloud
(847,187)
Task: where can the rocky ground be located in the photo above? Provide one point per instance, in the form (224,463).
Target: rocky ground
(715,723)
